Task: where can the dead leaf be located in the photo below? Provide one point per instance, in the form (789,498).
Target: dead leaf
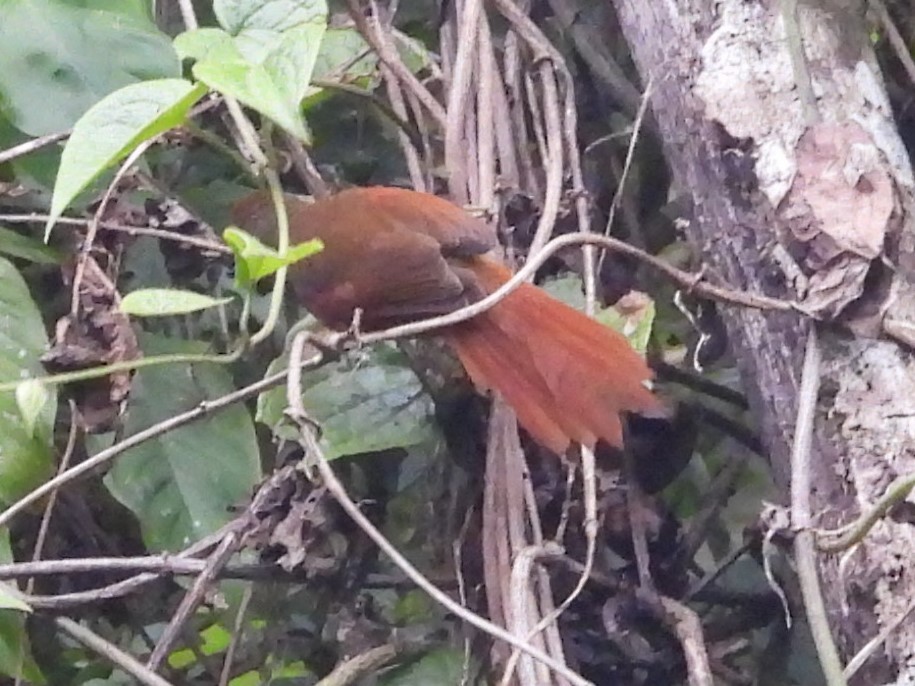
(845,189)
(295,524)
(840,208)
(98,333)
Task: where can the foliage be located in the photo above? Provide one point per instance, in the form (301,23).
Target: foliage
(255,261)
(25,436)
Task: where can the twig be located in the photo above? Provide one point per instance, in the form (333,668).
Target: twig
(237,631)
(520,603)
(553,162)
(551,629)
(282,244)
(355,668)
(188,15)
(193,598)
(458,95)
(589,488)
(853,532)
(110,652)
(387,53)
(123,228)
(89,239)
(409,146)
(685,624)
(627,164)
(486,157)
(635,507)
(305,168)
(457,555)
(804,545)
(126,365)
(31,146)
(122,588)
(863,655)
(338,491)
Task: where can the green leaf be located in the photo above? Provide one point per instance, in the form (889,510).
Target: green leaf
(254,260)
(345,55)
(182,659)
(57,60)
(375,405)
(216,639)
(181,485)
(24,247)
(25,452)
(199,43)
(249,678)
(267,57)
(16,659)
(109,131)
(261,18)
(11,600)
(443,667)
(31,397)
(268,87)
(161,302)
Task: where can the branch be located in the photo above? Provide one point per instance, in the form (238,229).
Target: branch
(31,146)
(111,652)
(804,546)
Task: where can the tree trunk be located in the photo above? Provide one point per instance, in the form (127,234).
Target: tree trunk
(811,203)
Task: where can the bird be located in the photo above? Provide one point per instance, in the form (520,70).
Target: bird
(399,256)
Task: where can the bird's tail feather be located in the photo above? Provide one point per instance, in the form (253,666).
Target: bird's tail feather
(567,376)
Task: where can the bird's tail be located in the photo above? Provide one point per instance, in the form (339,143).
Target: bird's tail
(567,377)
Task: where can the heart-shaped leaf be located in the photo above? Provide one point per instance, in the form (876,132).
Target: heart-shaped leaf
(264,57)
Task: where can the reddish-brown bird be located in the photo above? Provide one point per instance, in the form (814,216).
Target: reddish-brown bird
(400,256)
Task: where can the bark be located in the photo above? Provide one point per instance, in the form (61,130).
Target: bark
(810,208)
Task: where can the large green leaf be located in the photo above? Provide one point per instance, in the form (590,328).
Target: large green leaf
(374,405)
(57,59)
(264,58)
(181,485)
(15,654)
(111,130)
(443,667)
(25,455)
